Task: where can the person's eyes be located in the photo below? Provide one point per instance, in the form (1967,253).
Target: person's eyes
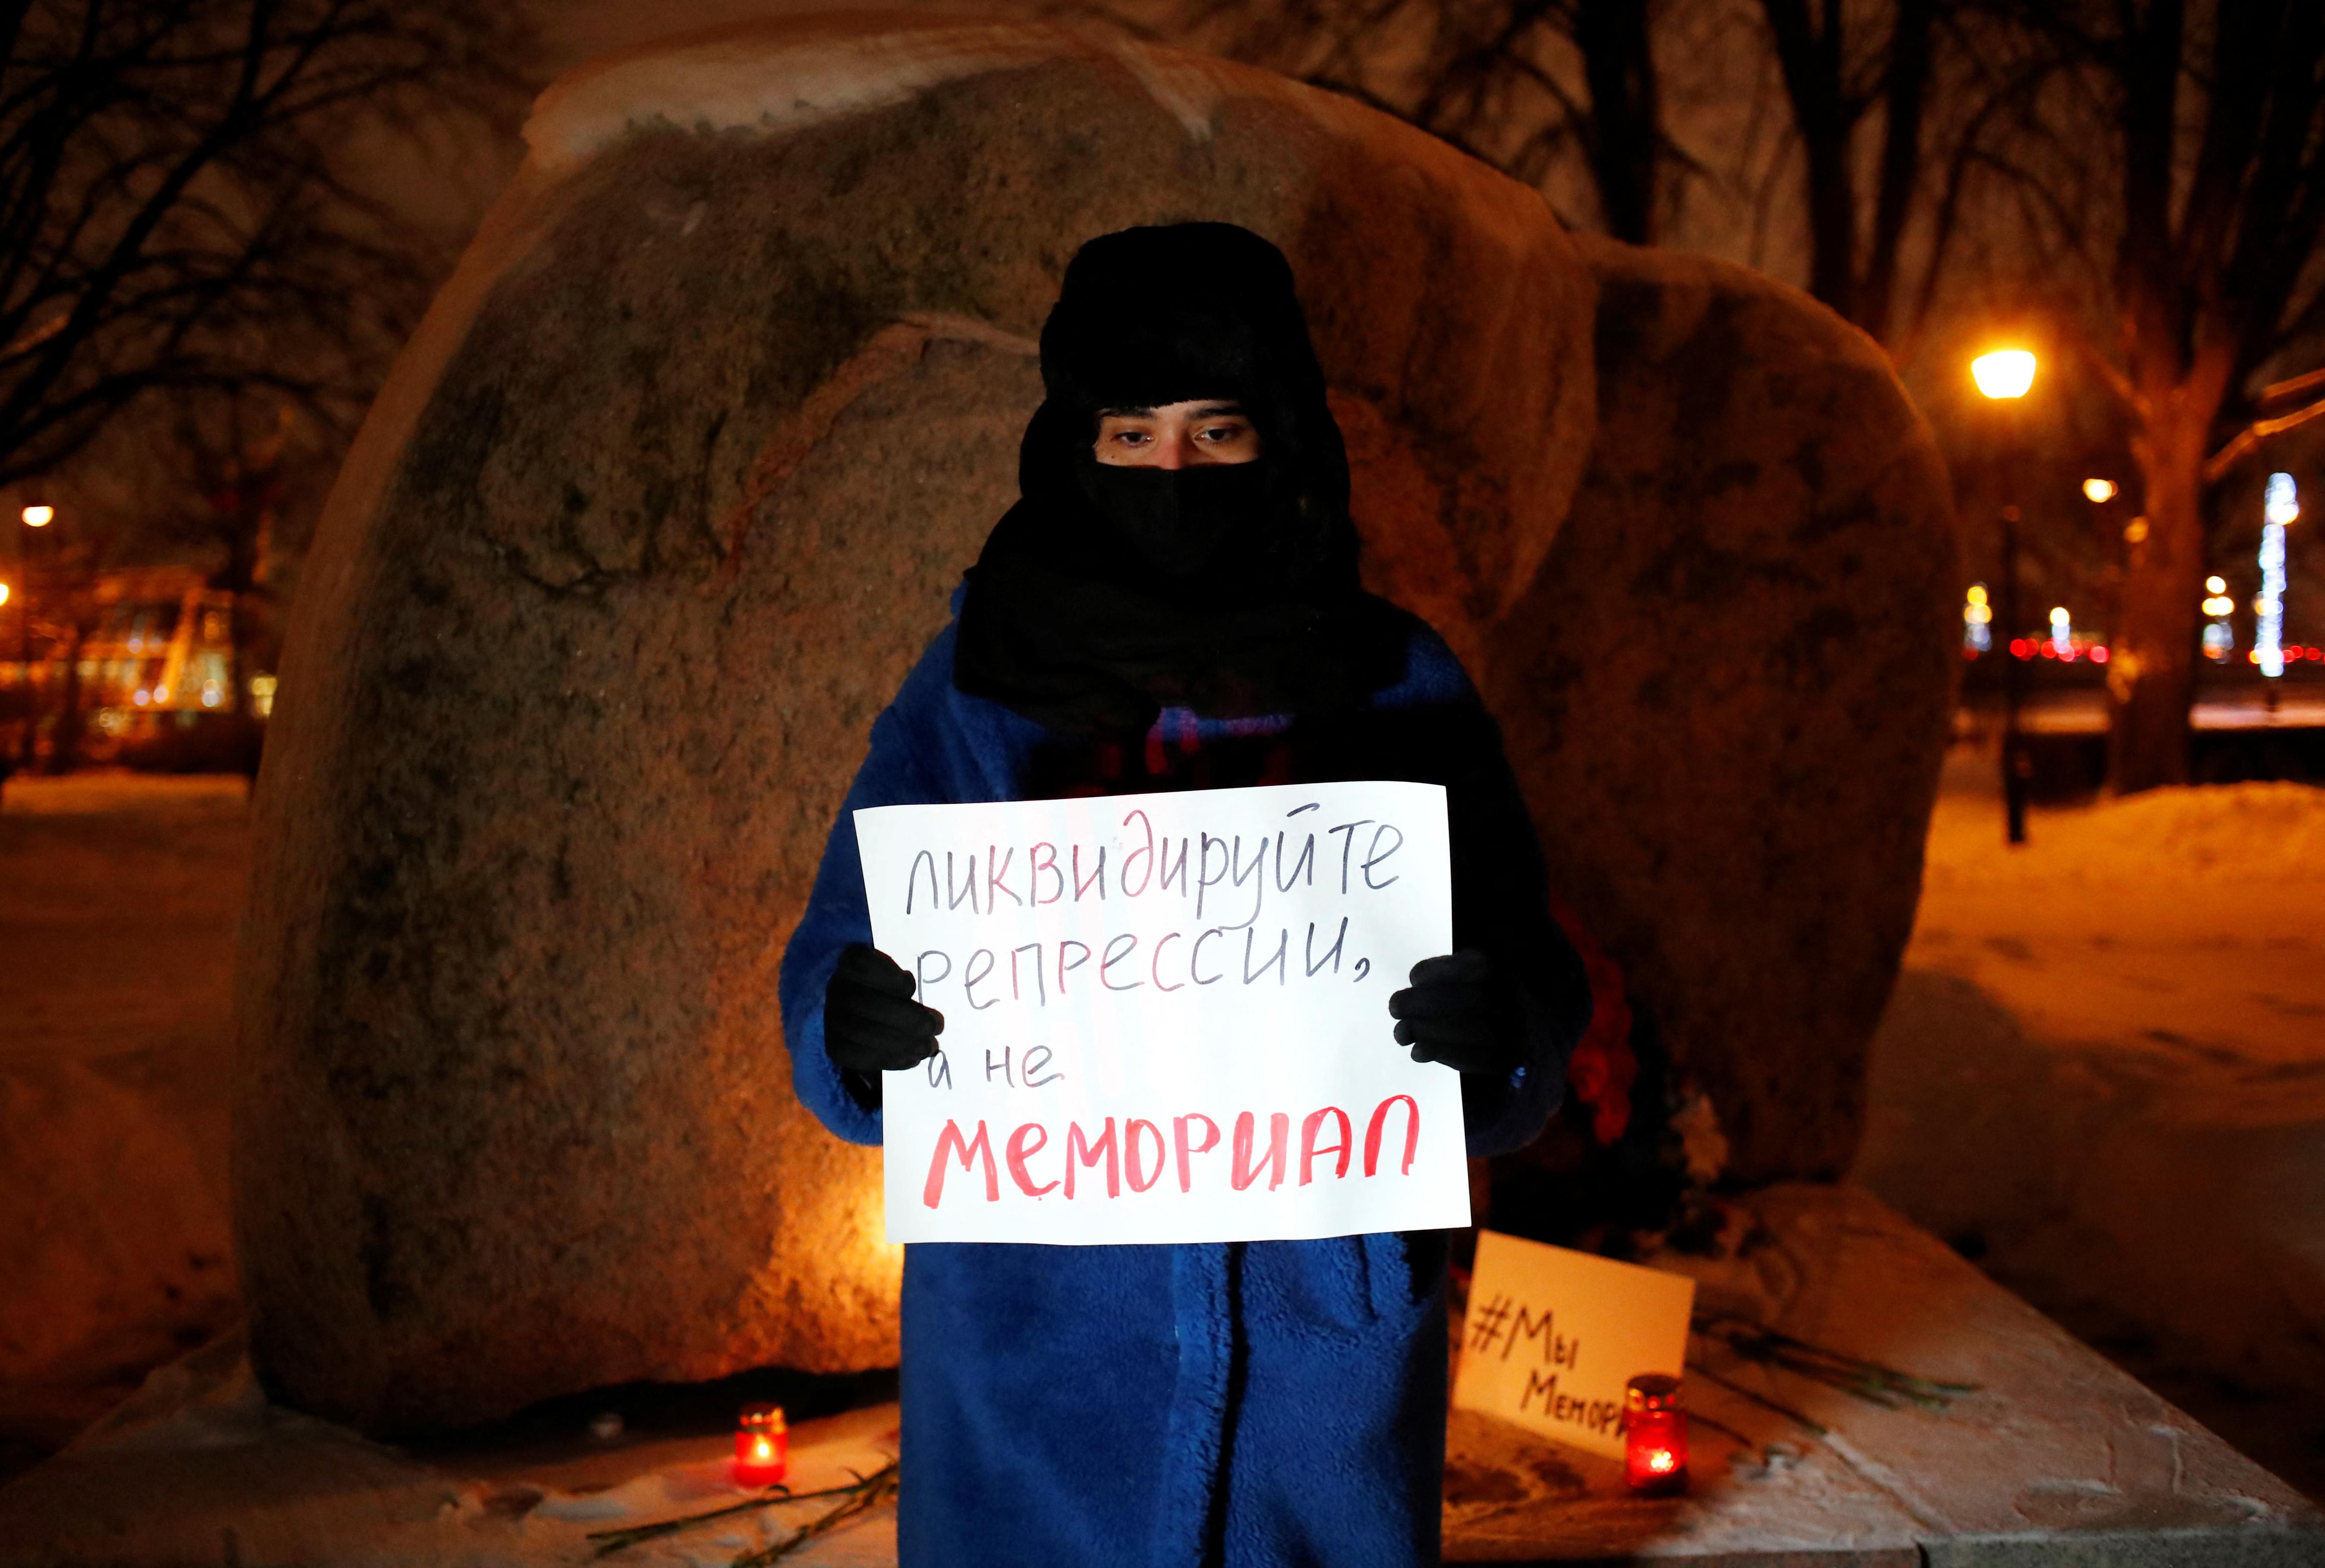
(1217,433)
(1132,438)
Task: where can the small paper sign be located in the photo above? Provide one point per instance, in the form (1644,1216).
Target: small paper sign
(1166,1016)
(1552,1336)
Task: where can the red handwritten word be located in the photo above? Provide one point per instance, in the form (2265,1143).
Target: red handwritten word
(1119,1151)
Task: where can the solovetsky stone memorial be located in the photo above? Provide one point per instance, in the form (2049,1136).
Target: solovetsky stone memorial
(671,489)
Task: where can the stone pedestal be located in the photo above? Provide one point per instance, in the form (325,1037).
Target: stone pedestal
(2056,1459)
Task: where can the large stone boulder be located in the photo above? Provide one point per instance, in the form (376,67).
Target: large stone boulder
(670,489)
(1727,689)
(652,517)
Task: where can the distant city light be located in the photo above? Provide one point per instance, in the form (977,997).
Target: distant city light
(39,517)
(2215,584)
(2136,531)
(2284,503)
(2281,506)
(212,695)
(4,593)
(2099,490)
(141,698)
(1978,622)
(161,694)
(2062,632)
(2005,373)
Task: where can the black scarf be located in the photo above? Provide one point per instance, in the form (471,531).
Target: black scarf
(1107,593)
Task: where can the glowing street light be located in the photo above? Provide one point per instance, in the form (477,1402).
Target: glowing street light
(2004,375)
(4,593)
(2099,492)
(29,518)
(2007,373)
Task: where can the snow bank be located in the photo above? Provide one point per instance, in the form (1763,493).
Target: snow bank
(2210,830)
(2103,1075)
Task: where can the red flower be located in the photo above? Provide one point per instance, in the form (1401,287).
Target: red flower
(1602,1069)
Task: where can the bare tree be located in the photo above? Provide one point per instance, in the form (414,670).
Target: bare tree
(2206,125)
(191,228)
(1832,86)
(178,212)
(1546,89)
(1533,87)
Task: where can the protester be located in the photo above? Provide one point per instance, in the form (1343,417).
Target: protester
(1173,604)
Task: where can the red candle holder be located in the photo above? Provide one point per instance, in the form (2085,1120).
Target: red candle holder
(763,1446)
(1654,1437)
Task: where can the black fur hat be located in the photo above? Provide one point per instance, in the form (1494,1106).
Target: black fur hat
(1171,312)
(1070,618)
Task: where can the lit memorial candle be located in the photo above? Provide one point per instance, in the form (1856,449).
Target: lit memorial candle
(1654,1437)
(762,1446)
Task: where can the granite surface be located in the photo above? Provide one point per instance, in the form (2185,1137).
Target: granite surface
(1727,688)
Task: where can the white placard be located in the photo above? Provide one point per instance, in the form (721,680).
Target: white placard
(1166,1016)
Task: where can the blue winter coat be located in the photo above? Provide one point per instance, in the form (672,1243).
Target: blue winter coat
(1262,1403)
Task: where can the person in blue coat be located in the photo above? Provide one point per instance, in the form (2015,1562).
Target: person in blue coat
(1173,604)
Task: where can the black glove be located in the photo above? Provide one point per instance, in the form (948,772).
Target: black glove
(871,1024)
(1460,1011)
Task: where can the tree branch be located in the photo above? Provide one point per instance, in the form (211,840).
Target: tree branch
(2294,386)
(2248,440)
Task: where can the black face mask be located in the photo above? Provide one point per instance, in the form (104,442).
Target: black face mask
(1178,521)
(1110,592)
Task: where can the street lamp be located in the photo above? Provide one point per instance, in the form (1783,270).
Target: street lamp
(2006,376)
(31,517)
(2007,373)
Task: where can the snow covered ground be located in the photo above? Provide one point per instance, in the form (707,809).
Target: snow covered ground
(2103,1077)
(118,899)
